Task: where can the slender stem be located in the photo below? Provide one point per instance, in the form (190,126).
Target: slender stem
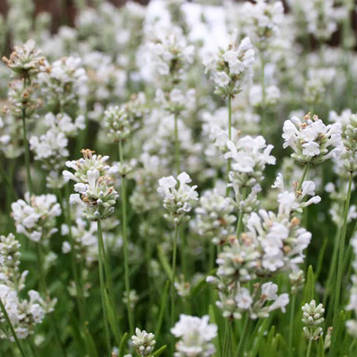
(27,151)
(332,269)
(239,223)
(44,290)
(183,255)
(109,292)
(177,146)
(212,255)
(80,301)
(227,347)
(303,177)
(230,117)
(262,81)
(341,255)
(11,328)
(229,104)
(240,216)
(173,268)
(309,349)
(240,349)
(125,241)
(102,285)
(42,281)
(291,323)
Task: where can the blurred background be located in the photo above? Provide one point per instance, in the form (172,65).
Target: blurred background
(64,11)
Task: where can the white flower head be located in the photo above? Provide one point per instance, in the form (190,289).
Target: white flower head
(195,336)
(311,140)
(178,196)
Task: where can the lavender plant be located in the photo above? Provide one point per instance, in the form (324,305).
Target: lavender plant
(220,219)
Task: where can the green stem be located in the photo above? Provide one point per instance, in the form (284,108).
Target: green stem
(239,223)
(173,268)
(341,255)
(309,349)
(80,301)
(332,269)
(44,290)
(230,117)
(262,81)
(183,254)
(240,215)
(11,328)
(109,292)
(125,241)
(177,146)
(291,324)
(212,255)
(227,343)
(102,285)
(240,349)
(302,179)
(27,151)
(229,104)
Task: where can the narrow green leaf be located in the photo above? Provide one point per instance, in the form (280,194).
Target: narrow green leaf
(111,318)
(309,291)
(165,264)
(159,351)
(163,304)
(122,343)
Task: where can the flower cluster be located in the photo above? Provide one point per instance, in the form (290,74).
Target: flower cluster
(93,184)
(235,300)
(249,156)
(65,82)
(231,67)
(170,54)
(311,140)
(177,195)
(346,156)
(24,314)
(195,336)
(214,218)
(143,342)
(262,21)
(10,262)
(35,216)
(51,149)
(26,61)
(273,242)
(312,318)
(120,122)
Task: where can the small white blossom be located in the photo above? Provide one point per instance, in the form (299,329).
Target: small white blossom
(231,67)
(311,140)
(143,342)
(214,218)
(312,318)
(93,184)
(177,195)
(195,336)
(35,217)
